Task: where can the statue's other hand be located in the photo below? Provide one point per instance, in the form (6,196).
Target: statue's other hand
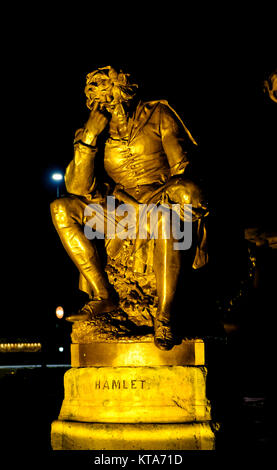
(185,192)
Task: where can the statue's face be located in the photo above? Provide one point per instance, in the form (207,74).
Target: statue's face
(108,88)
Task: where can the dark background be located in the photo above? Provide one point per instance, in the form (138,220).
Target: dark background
(210,65)
(212,76)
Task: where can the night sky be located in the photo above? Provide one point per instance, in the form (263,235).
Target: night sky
(212,76)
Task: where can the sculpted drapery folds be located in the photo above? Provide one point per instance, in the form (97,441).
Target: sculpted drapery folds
(146,155)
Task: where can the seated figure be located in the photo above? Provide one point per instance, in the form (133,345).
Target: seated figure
(146,160)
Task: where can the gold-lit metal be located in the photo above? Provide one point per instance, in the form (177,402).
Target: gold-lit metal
(135,382)
(146,155)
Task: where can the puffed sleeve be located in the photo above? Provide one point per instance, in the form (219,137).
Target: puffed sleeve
(80,175)
(176,139)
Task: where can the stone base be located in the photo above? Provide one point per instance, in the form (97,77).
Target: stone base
(67,435)
(130,395)
(134,353)
(161,394)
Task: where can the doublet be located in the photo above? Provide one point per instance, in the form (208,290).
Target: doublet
(153,148)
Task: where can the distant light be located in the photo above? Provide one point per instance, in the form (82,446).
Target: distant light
(61,349)
(20,347)
(59,312)
(57,176)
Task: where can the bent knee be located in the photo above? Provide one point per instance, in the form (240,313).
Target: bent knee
(59,205)
(63,211)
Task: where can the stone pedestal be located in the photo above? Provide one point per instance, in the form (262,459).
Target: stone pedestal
(130,395)
(69,435)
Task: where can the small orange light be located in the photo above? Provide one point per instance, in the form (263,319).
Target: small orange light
(59,312)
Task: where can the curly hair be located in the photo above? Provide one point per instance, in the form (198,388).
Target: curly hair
(106,85)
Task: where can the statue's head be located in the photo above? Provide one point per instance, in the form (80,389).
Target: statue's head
(270,86)
(109,88)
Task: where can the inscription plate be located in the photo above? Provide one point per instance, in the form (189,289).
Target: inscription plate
(114,384)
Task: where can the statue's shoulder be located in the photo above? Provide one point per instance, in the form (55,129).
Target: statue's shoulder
(145,109)
(169,113)
(150,105)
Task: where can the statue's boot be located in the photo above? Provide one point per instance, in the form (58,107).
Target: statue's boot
(66,215)
(93,308)
(166,266)
(164,338)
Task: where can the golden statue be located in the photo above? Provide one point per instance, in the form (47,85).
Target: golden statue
(270,86)
(146,159)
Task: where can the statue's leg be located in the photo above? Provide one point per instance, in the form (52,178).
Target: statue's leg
(67,215)
(167,263)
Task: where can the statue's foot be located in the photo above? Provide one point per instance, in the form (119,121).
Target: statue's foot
(92,308)
(164,338)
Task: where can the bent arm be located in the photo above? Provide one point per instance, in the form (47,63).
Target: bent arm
(176,140)
(80,175)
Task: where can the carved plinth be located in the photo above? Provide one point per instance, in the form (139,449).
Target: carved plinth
(137,354)
(121,389)
(68,435)
(161,394)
